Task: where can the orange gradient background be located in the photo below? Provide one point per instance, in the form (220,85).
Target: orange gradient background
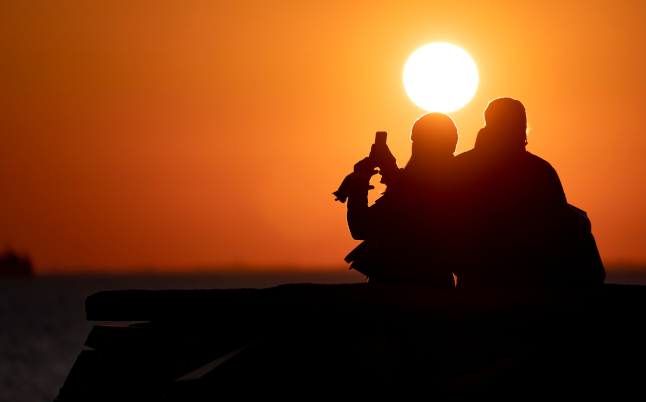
(179,135)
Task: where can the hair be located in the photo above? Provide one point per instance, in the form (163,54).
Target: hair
(507,115)
(436,129)
(435,136)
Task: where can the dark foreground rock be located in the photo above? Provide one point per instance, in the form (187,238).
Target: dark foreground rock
(367,340)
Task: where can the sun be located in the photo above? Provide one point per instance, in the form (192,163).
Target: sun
(440,77)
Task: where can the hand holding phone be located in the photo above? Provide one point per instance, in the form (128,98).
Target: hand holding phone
(379,148)
(380,138)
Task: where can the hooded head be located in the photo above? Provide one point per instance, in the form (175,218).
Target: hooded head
(505,125)
(434,136)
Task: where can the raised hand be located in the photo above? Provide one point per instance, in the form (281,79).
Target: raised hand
(366,165)
(382,157)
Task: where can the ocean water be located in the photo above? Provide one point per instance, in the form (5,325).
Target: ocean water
(43,326)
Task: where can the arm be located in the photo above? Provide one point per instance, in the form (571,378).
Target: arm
(364,222)
(360,219)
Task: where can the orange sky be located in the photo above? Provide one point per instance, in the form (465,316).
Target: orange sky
(200,133)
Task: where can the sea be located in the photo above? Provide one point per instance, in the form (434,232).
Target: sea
(43,326)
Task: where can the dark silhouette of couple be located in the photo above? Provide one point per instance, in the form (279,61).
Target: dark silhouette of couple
(494,216)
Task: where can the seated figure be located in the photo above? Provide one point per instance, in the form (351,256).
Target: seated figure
(405,231)
(514,226)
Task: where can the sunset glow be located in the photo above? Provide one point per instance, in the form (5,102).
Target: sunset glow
(207,135)
(440,77)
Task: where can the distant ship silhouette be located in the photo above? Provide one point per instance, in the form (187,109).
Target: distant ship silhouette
(13,264)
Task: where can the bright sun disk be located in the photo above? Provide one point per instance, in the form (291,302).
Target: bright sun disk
(440,77)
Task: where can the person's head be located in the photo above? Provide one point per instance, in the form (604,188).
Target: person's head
(434,135)
(506,121)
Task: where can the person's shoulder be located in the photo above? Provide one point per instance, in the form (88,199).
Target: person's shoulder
(538,161)
(464,159)
(541,170)
(467,162)
(465,155)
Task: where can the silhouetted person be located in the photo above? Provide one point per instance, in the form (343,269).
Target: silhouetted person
(516,227)
(405,230)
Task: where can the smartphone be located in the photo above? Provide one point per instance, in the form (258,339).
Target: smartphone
(380,138)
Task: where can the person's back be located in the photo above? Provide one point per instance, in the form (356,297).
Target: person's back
(516,223)
(405,228)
